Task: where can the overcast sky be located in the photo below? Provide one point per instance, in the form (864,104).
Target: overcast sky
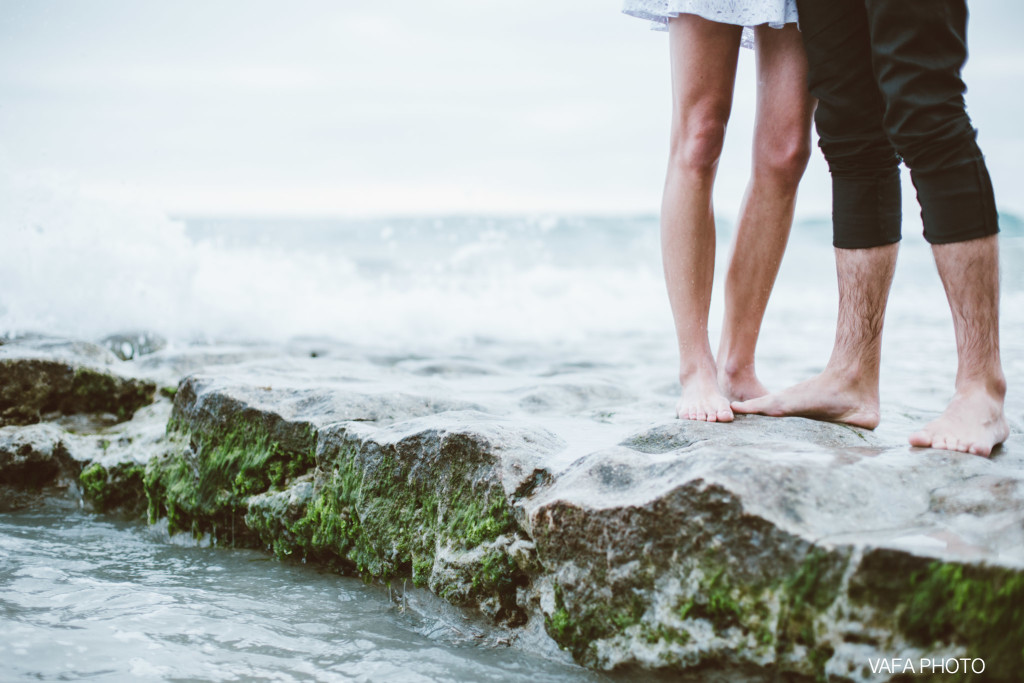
(391,106)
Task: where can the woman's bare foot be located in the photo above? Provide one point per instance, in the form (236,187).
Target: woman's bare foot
(974,422)
(702,399)
(829,397)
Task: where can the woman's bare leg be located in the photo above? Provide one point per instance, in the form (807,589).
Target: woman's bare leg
(782,140)
(703,55)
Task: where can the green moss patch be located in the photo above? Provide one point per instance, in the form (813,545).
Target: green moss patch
(119,488)
(808,593)
(203,489)
(577,629)
(32,387)
(716,604)
(719,599)
(382,512)
(981,607)
(372,513)
(95,391)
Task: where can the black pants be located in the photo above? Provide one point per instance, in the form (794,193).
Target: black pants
(887,77)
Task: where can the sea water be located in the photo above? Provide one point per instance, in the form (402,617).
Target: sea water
(83,596)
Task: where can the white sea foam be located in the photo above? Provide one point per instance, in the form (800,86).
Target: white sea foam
(80,268)
(75,267)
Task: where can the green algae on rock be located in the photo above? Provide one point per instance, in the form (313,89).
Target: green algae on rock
(357,516)
(202,485)
(369,506)
(976,608)
(33,384)
(118,488)
(422,500)
(683,600)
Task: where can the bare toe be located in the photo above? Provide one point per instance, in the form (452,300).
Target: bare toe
(921,439)
(980,449)
(752,406)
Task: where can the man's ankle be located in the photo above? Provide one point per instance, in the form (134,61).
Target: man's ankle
(861,378)
(992,384)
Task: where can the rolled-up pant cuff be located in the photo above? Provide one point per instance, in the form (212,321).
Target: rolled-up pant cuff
(866,210)
(957,202)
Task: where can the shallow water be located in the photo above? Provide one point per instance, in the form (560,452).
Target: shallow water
(84,597)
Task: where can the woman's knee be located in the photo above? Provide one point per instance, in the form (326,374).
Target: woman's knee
(782,159)
(697,141)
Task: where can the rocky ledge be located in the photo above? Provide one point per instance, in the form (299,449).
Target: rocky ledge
(765,549)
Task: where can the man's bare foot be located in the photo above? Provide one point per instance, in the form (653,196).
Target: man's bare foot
(741,385)
(973,422)
(827,397)
(702,399)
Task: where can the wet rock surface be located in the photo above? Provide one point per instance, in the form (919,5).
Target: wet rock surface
(552,502)
(35,466)
(44,378)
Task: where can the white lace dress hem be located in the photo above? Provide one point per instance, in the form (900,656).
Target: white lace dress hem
(747,13)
